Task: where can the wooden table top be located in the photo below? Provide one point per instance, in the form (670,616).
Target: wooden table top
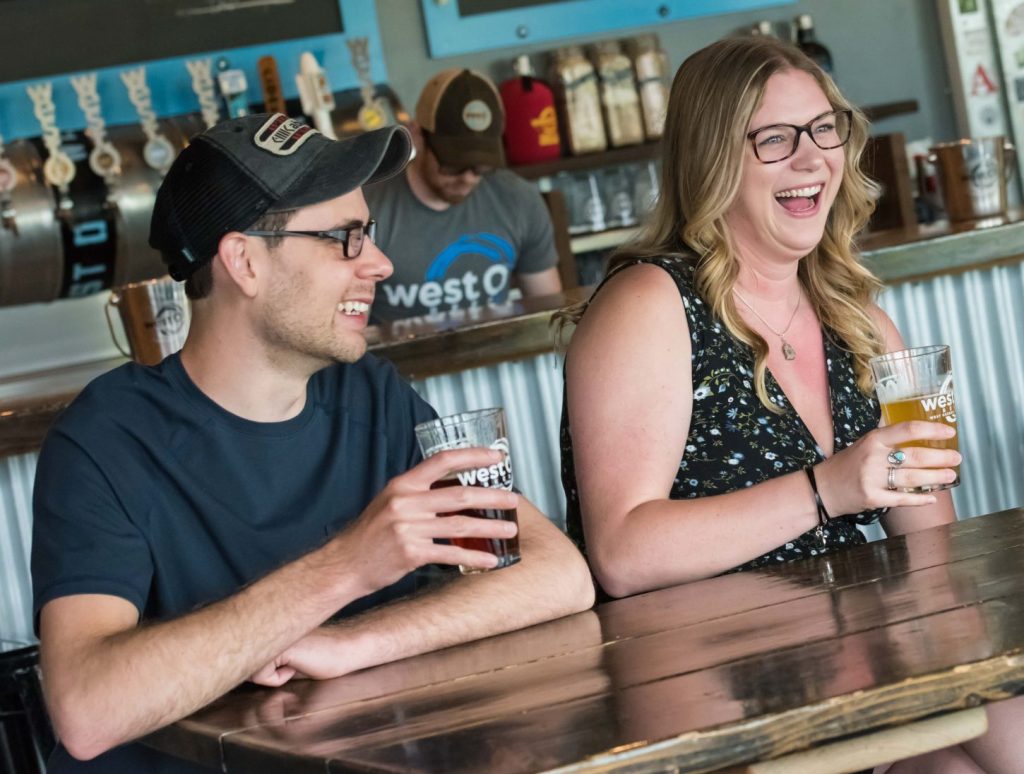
(733,669)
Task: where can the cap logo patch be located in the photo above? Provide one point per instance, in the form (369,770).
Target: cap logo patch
(282,136)
(477,115)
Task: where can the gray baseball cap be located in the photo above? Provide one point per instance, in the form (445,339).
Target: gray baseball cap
(240,169)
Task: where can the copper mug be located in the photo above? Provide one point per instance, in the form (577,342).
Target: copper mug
(155,314)
(973,175)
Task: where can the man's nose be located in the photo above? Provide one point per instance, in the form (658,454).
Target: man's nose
(374,264)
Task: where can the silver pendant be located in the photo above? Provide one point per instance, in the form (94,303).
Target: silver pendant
(787,350)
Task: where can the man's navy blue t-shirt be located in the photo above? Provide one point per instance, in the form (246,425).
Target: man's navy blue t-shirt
(148,490)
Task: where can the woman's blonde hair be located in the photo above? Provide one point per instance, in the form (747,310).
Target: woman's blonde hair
(714,96)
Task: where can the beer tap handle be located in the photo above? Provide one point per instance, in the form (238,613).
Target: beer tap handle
(375,111)
(8,180)
(270,81)
(58,169)
(158,153)
(234,88)
(104,160)
(315,94)
(201,71)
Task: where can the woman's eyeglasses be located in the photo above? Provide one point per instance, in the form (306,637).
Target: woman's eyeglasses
(779,141)
(351,238)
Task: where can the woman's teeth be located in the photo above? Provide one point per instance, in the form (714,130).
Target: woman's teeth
(353,307)
(809,191)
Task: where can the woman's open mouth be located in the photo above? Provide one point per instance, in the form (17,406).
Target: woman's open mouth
(800,200)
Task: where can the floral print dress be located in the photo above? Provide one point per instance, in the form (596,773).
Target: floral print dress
(734,441)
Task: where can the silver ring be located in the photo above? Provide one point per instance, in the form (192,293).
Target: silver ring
(892,479)
(897,457)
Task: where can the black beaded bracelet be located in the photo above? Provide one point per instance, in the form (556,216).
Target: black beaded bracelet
(823,517)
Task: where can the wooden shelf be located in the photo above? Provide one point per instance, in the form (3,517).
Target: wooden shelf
(889,109)
(602,240)
(609,158)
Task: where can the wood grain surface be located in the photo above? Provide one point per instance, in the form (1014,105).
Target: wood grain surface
(699,677)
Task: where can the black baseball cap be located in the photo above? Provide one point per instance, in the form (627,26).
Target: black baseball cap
(240,169)
(462,113)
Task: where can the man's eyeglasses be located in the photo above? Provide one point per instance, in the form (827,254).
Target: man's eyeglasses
(477,169)
(351,238)
(779,141)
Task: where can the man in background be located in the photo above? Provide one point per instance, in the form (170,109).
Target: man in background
(461,229)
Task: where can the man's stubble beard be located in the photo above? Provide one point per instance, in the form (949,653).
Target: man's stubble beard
(294,336)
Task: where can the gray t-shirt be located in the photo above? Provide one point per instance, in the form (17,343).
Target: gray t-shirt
(460,258)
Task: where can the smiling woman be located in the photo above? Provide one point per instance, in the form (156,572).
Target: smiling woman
(746,430)
(719,412)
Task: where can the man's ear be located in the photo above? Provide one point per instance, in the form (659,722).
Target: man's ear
(236,256)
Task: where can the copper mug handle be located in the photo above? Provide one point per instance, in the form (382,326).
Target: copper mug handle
(114,300)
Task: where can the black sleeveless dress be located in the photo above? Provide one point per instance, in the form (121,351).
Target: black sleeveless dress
(734,441)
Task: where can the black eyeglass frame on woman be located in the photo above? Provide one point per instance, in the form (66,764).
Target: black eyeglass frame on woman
(345,236)
(841,116)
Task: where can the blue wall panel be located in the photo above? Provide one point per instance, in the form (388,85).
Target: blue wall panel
(171,85)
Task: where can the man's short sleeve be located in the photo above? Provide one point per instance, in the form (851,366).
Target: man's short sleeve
(407,409)
(537,250)
(82,540)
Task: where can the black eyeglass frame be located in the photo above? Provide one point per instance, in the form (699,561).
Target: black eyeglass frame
(340,235)
(801,129)
(480,170)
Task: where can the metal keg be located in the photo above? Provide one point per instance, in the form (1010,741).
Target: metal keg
(101,241)
(31,258)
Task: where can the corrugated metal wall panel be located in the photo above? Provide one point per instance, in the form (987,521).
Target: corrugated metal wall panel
(531,392)
(16,476)
(980,314)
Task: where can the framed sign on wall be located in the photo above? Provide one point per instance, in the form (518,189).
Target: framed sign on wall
(465,26)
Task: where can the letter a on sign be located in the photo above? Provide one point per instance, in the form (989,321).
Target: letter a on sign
(982,83)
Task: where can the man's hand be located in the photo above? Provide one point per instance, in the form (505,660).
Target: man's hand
(397,532)
(313,657)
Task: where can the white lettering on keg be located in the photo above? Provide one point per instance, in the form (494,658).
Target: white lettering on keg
(90,232)
(85,289)
(78,270)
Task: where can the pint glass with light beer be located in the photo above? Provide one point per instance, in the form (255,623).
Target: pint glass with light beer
(918,384)
(484,428)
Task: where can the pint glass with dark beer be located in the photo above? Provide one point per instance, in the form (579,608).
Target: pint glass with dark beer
(918,384)
(484,428)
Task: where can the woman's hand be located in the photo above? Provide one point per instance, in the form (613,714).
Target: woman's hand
(857,478)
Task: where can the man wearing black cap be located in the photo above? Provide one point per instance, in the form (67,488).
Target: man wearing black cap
(197,522)
(460,229)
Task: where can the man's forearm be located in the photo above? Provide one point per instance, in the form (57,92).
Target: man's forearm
(114,687)
(551,580)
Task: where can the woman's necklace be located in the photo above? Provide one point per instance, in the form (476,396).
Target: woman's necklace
(787,349)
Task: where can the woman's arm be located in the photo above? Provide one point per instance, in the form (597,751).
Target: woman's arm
(630,393)
(630,396)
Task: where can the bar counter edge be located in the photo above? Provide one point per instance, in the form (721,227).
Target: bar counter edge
(30,402)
